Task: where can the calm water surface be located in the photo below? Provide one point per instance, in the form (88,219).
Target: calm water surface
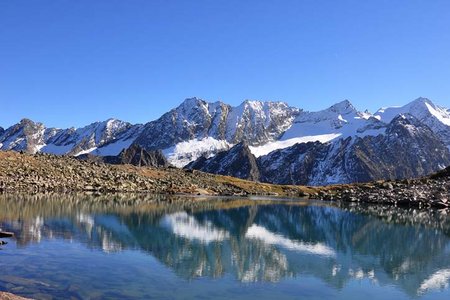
(124,247)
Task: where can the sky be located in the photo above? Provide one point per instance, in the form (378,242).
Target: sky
(69,63)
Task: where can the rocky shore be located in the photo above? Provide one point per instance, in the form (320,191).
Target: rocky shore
(50,173)
(21,172)
(432,191)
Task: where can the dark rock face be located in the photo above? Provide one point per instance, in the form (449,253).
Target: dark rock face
(140,157)
(408,149)
(193,118)
(254,122)
(134,155)
(445,173)
(199,163)
(237,162)
(293,165)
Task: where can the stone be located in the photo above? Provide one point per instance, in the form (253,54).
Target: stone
(9,296)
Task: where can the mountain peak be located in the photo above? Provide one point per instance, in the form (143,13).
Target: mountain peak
(193,101)
(112,120)
(191,105)
(259,103)
(26,121)
(250,102)
(422,100)
(343,107)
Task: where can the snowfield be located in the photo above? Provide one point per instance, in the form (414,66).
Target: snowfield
(183,153)
(272,146)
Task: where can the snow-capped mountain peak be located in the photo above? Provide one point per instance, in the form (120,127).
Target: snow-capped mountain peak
(344,107)
(197,125)
(420,108)
(432,115)
(198,128)
(192,101)
(24,136)
(341,118)
(192,104)
(32,137)
(264,121)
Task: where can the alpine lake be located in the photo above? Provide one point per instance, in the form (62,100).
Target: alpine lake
(180,247)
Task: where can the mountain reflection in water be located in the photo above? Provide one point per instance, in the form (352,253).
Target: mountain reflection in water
(252,241)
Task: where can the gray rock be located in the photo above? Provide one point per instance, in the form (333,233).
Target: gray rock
(237,162)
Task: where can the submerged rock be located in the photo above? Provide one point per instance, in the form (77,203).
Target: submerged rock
(9,296)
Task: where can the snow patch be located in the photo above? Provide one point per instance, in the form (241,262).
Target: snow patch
(421,108)
(282,144)
(85,151)
(185,152)
(340,119)
(113,148)
(439,113)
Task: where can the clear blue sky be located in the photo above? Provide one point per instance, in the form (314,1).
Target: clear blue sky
(66,62)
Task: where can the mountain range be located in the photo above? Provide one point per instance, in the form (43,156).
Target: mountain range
(266,141)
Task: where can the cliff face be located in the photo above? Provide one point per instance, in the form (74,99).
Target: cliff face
(408,149)
(237,162)
(254,122)
(137,156)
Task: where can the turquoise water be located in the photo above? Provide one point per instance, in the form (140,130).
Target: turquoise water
(84,247)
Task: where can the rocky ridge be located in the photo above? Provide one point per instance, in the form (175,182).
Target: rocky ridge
(237,162)
(254,122)
(100,138)
(44,173)
(51,173)
(134,155)
(407,149)
(336,145)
